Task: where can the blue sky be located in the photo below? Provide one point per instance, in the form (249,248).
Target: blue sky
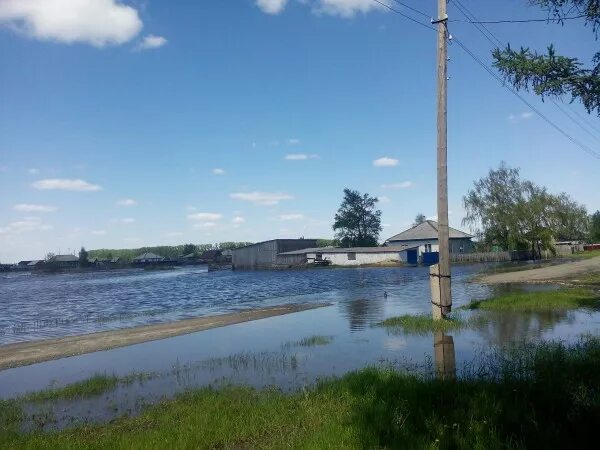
(152,122)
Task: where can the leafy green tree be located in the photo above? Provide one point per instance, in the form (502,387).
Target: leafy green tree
(189,248)
(83,258)
(419,219)
(595,227)
(517,214)
(551,74)
(358,221)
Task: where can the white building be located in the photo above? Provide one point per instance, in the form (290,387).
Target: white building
(356,256)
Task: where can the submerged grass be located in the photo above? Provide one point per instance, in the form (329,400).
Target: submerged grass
(90,387)
(537,396)
(424,323)
(310,341)
(541,300)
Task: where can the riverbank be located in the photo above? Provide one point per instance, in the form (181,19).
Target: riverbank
(20,354)
(531,396)
(544,274)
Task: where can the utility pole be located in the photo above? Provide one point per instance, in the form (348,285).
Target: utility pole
(440,274)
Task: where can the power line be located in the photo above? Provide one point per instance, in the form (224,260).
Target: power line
(428,16)
(578,123)
(546,20)
(491,37)
(412,19)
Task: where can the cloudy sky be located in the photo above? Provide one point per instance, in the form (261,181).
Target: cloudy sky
(143,122)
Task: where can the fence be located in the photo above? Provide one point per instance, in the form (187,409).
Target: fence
(516,255)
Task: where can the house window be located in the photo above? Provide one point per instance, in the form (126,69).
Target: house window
(352,256)
(319,256)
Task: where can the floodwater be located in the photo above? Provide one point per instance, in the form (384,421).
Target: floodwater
(260,353)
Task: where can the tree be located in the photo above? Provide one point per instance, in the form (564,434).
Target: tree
(83,258)
(595,227)
(189,248)
(419,219)
(517,214)
(357,222)
(551,74)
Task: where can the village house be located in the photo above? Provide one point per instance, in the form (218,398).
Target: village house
(148,258)
(422,239)
(63,262)
(354,256)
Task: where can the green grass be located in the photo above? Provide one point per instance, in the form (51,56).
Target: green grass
(90,387)
(536,396)
(590,279)
(310,341)
(539,300)
(585,255)
(423,323)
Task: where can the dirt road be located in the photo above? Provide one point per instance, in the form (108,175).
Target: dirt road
(20,354)
(545,273)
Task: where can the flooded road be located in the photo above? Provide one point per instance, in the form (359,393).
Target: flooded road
(277,351)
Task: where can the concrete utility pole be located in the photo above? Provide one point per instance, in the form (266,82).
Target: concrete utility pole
(440,275)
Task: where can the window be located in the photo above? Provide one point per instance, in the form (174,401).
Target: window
(319,256)
(352,256)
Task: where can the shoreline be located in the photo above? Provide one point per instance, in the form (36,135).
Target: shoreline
(32,352)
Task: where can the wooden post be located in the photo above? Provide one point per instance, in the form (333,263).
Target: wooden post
(445,296)
(445,359)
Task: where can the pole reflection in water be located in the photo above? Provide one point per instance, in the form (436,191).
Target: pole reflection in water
(445,362)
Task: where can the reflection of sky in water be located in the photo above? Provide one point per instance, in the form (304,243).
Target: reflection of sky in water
(256,353)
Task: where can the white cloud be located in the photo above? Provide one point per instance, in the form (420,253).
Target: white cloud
(33,171)
(271,6)
(151,41)
(402,185)
(206,225)
(25,225)
(386,162)
(261,198)
(218,171)
(517,118)
(127,202)
(238,220)
(95,22)
(66,185)
(124,221)
(291,216)
(27,207)
(345,8)
(174,234)
(299,157)
(293,141)
(204,216)
(99,232)
(383,199)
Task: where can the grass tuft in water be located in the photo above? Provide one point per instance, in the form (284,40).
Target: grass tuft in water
(90,387)
(536,301)
(310,341)
(533,396)
(424,323)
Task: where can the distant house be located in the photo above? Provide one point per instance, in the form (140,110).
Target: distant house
(424,237)
(355,256)
(211,256)
(35,263)
(265,255)
(148,258)
(63,261)
(227,255)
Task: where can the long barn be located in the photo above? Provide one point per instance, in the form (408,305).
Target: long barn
(266,255)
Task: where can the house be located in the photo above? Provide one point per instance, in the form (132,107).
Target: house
(35,264)
(424,237)
(148,258)
(211,256)
(227,255)
(355,256)
(63,262)
(266,255)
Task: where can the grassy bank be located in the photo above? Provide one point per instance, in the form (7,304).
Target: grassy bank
(539,300)
(536,396)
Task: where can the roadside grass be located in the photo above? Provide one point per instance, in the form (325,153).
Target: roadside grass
(423,323)
(584,255)
(310,341)
(535,396)
(589,279)
(540,300)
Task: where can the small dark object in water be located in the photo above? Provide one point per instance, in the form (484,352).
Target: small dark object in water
(385,294)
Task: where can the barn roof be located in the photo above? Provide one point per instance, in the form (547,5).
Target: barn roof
(148,255)
(427,230)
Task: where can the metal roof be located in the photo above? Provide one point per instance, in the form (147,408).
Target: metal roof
(274,240)
(148,255)
(427,230)
(64,258)
(395,249)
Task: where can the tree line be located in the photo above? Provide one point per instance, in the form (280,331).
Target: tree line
(167,251)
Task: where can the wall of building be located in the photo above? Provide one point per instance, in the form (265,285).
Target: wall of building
(341,259)
(455,245)
(264,255)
